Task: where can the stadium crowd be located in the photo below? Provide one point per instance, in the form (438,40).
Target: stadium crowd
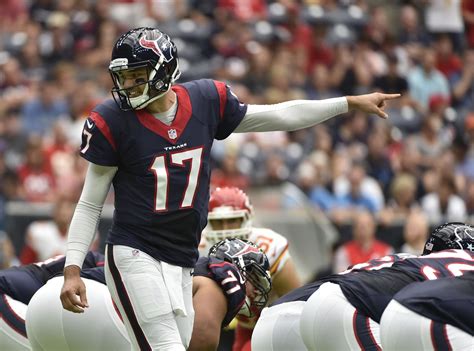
(54,54)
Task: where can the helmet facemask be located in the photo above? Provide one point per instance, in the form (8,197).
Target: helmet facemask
(241,218)
(156,82)
(230,215)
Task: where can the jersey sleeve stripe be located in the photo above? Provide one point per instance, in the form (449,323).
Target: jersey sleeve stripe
(104,128)
(275,265)
(222,91)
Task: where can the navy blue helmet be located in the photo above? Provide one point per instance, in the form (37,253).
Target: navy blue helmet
(143,50)
(250,260)
(454,235)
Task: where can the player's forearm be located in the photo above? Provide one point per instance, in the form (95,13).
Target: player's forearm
(87,214)
(81,232)
(291,115)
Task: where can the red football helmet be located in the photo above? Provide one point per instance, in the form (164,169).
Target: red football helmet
(227,204)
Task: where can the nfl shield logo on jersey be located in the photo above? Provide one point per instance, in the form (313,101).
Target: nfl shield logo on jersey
(172,134)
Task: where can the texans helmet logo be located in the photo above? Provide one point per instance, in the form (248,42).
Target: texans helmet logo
(155,46)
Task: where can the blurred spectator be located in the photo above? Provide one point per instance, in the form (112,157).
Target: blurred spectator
(431,141)
(47,238)
(244,10)
(378,28)
(464,148)
(448,62)
(11,12)
(469,198)
(15,87)
(35,175)
(7,252)
(258,76)
(38,115)
(276,171)
(463,84)
(412,35)
(320,86)
(402,201)
(468,16)
(446,17)
(56,43)
(14,139)
(444,204)
(320,196)
(363,246)
(162,11)
(378,163)
(319,52)
(357,191)
(415,233)
(425,81)
(392,81)
(228,174)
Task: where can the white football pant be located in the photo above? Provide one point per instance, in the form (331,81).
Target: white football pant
(403,329)
(278,328)
(154,298)
(330,322)
(52,328)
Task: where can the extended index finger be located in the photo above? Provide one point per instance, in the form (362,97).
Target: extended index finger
(390,96)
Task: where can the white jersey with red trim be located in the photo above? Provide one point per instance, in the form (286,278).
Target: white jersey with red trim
(274,245)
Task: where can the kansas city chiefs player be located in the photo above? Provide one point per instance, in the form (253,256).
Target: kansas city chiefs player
(230,216)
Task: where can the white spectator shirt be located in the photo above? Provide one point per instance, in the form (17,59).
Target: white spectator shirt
(46,240)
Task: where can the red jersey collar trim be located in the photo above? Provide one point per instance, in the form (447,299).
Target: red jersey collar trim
(173,132)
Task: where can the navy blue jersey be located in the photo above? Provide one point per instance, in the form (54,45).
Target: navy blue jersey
(370,291)
(162,183)
(21,283)
(94,273)
(447,300)
(228,277)
(303,293)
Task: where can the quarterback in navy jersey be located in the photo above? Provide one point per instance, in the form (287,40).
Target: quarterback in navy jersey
(436,314)
(358,301)
(153,144)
